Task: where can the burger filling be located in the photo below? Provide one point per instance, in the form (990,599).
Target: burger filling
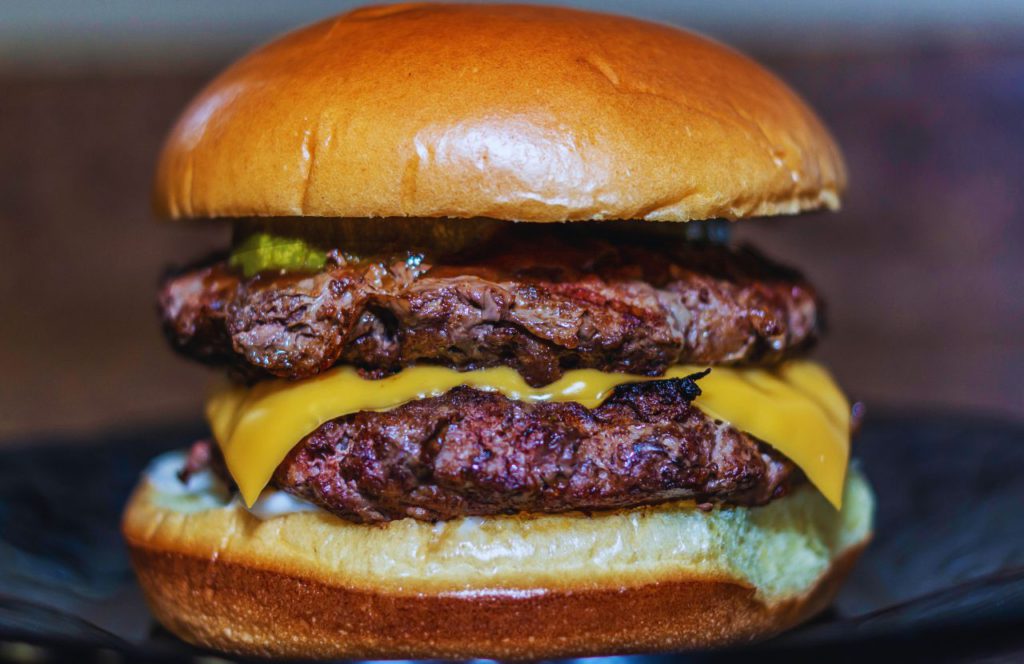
(526,370)
(539,300)
(470,452)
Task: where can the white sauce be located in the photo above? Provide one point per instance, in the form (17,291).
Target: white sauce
(273,503)
(205,491)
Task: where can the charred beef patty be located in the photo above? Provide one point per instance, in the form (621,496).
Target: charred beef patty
(542,307)
(470,452)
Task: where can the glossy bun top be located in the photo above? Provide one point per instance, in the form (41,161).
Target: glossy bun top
(510,112)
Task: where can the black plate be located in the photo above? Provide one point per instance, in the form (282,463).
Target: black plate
(943,579)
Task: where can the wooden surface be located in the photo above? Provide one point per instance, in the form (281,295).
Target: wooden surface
(923,269)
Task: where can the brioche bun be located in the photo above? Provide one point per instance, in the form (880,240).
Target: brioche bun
(308,584)
(508,112)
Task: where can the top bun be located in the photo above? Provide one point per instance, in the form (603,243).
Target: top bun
(510,112)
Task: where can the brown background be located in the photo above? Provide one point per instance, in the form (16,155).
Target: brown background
(924,268)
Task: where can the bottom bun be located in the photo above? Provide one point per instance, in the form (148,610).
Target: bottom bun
(307,584)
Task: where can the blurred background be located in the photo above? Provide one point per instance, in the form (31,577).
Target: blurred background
(923,268)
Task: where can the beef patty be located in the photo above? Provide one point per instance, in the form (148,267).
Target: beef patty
(541,306)
(470,452)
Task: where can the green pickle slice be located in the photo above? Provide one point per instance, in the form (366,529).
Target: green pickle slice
(260,252)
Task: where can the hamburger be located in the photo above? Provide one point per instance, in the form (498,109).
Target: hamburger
(492,379)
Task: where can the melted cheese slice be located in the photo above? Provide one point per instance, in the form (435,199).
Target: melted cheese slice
(797,408)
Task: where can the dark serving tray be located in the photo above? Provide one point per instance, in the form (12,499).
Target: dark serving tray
(943,579)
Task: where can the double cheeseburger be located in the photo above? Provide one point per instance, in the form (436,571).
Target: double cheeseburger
(493,380)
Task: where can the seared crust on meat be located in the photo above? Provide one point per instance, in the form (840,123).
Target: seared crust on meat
(470,452)
(541,302)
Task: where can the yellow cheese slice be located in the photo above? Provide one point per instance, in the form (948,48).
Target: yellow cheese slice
(796,408)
